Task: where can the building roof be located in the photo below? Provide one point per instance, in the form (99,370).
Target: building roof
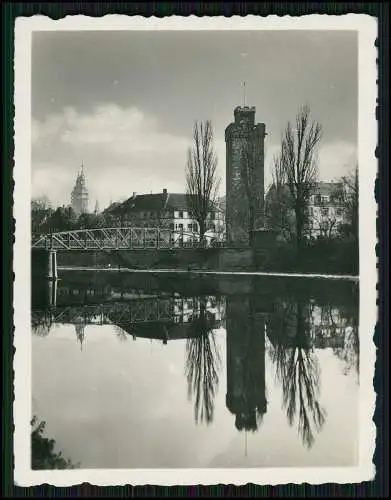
(321,188)
(326,188)
(154,202)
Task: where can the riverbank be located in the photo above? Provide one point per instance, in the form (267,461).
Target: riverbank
(206,273)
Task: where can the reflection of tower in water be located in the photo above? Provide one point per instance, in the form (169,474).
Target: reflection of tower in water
(80,334)
(246,389)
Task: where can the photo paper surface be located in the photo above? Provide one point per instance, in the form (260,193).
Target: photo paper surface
(194,257)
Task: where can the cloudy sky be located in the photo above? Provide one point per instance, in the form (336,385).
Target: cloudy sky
(124,103)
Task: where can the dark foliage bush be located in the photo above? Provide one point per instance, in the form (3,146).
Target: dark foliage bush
(43,455)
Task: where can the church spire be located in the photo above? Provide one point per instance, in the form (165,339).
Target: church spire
(82,176)
(80,335)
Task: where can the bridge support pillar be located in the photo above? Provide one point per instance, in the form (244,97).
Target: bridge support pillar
(44,264)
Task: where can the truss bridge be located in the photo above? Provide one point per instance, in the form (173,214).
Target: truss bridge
(127,238)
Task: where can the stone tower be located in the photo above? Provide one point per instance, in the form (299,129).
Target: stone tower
(244,175)
(79,195)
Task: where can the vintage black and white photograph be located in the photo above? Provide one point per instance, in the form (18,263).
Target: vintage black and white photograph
(195,263)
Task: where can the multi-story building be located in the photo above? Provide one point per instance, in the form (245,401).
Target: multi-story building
(326,209)
(164,210)
(244,175)
(79,195)
(328,326)
(325,213)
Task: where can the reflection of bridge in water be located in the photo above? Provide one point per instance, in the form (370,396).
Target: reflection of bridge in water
(152,317)
(152,313)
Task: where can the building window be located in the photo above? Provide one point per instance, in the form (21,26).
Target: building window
(180,227)
(180,215)
(338,212)
(190,227)
(325,211)
(318,199)
(172,225)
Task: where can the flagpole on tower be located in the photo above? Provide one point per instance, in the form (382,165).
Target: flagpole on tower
(244,94)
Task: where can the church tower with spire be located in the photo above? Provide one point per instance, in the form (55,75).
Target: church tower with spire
(79,195)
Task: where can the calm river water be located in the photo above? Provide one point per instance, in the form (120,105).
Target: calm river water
(161,371)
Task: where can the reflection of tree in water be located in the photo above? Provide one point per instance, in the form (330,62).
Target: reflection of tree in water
(350,352)
(298,371)
(202,364)
(43,455)
(121,334)
(40,323)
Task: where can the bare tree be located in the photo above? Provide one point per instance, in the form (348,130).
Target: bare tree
(298,166)
(349,197)
(202,181)
(277,201)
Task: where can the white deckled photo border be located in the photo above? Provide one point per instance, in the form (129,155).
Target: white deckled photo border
(366,28)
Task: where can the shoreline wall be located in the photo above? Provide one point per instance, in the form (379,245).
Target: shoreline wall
(227,259)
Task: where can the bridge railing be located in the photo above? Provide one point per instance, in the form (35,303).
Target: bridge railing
(121,239)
